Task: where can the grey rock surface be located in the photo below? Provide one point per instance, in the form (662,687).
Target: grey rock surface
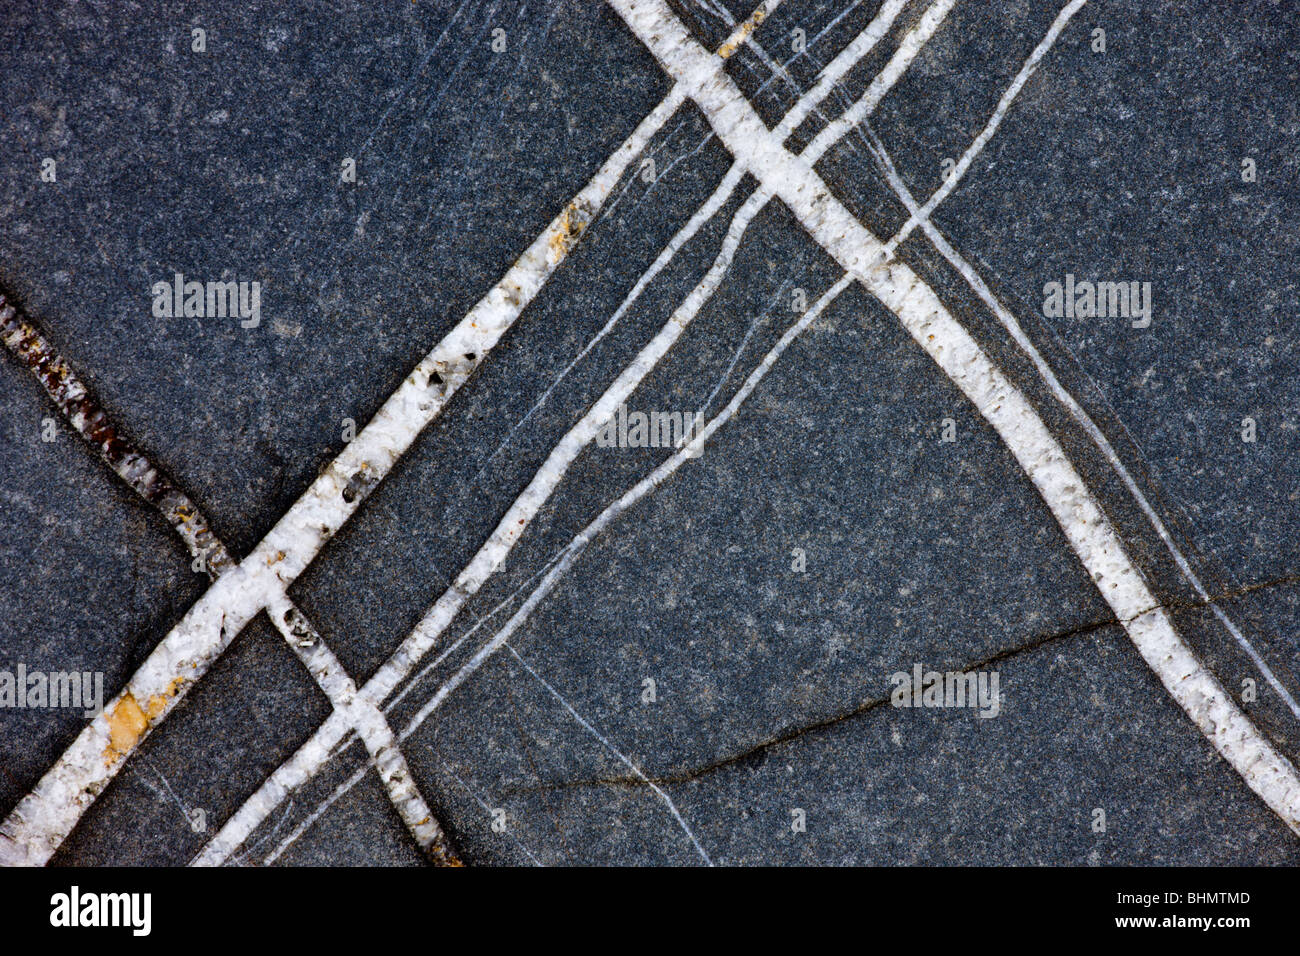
(828,537)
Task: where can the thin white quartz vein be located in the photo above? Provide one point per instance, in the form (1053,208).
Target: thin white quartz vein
(825,83)
(488,810)
(626,760)
(908,49)
(369,724)
(1086,527)
(921,216)
(570,554)
(991,127)
(41,820)
(316,752)
(560,564)
(352,781)
(90,421)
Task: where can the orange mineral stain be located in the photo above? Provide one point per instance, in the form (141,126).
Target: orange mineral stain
(571,223)
(746,28)
(127,722)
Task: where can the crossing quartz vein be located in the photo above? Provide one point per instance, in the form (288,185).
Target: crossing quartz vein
(43,819)
(921,217)
(89,419)
(622,757)
(561,563)
(794,117)
(1086,526)
(1007,410)
(317,751)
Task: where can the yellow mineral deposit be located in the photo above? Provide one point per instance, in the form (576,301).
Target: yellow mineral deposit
(127,722)
(742,34)
(566,233)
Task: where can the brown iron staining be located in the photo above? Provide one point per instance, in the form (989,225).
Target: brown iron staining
(572,222)
(92,423)
(128,721)
(742,32)
(440,853)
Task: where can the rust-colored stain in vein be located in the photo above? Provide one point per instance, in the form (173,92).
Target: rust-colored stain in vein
(572,222)
(128,721)
(85,414)
(748,27)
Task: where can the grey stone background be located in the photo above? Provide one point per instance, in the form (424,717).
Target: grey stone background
(225,164)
